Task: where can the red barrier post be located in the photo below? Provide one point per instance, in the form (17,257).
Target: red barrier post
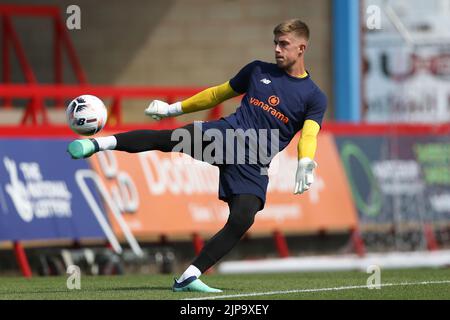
(22,260)
(281,244)
(198,242)
(430,237)
(358,242)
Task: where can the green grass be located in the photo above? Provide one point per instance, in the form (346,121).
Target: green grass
(156,287)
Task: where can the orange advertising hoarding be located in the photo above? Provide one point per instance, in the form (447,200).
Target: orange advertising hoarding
(172,194)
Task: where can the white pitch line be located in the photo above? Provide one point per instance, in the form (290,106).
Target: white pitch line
(317,290)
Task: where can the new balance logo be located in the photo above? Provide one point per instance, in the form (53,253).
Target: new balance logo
(265,81)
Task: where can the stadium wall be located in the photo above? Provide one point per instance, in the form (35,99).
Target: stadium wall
(175,43)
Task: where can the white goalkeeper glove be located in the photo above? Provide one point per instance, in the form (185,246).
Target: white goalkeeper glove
(305,175)
(159,109)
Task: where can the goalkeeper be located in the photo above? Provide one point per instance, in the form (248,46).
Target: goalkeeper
(277,97)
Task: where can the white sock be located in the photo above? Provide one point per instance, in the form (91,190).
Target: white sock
(106,143)
(190,271)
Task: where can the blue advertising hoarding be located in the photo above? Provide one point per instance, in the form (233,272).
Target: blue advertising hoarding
(398,178)
(39,194)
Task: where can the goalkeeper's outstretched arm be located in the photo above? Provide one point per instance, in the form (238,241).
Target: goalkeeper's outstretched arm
(208,98)
(203,100)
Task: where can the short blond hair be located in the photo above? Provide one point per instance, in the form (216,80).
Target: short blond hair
(292,25)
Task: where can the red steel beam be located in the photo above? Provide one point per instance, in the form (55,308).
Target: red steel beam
(6,74)
(65,40)
(27,10)
(61,41)
(70,91)
(25,65)
(57,58)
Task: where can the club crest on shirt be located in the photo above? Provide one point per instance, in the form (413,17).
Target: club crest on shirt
(273,101)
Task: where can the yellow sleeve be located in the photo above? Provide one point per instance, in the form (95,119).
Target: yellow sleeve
(308,141)
(208,98)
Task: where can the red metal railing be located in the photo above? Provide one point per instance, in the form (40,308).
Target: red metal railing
(37,93)
(10,40)
(36,112)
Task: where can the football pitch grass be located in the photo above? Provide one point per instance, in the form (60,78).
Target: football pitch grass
(395,284)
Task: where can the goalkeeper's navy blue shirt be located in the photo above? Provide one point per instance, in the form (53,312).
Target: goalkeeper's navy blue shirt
(275,100)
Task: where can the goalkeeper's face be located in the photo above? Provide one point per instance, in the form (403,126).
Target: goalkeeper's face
(289,48)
